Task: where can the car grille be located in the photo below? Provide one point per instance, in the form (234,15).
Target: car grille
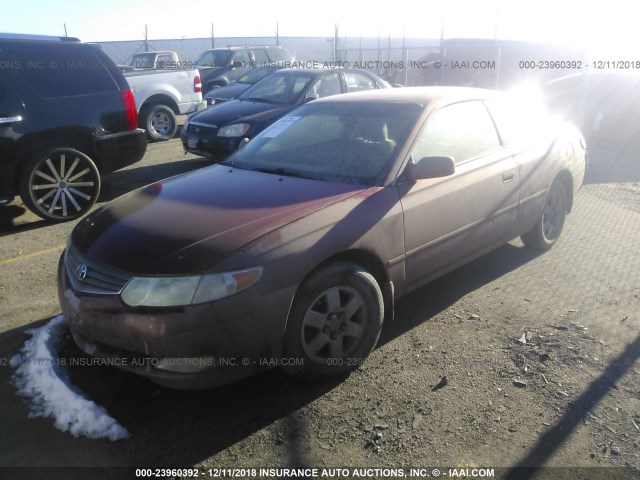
(98,279)
(201,130)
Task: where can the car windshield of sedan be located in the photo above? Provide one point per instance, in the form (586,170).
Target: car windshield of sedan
(214,58)
(279,88)
(336,142)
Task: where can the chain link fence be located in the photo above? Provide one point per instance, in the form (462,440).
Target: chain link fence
(407,61)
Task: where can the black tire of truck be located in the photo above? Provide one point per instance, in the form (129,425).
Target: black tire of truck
(159,122)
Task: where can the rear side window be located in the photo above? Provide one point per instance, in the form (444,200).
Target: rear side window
(518,123)
(60,72)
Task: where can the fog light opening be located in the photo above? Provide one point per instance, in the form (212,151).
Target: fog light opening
(184,364)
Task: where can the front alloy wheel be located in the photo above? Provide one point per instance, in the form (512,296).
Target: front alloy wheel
(334,323)
(60,184)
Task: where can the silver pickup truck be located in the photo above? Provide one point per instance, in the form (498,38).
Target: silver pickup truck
(160,95)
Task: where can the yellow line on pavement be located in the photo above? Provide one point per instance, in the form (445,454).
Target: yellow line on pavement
(29,255)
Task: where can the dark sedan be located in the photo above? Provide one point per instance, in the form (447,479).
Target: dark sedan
(293,251)
(216,132)
(229,92)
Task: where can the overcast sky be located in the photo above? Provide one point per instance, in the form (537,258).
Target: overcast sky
(610,25)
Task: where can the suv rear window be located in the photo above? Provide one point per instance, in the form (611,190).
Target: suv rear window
(60,72)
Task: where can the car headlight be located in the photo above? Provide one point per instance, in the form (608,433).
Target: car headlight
(176,291)
(236,130)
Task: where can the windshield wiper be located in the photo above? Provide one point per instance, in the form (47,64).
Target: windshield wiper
(280,171)
(256,99)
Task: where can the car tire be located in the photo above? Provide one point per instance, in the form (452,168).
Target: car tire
(548,227)
(59,184)
(335,322)
(159,122)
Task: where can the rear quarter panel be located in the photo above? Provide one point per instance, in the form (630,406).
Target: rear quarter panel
(560,150)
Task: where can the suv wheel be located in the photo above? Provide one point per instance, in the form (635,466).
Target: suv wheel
(60,184)
(159,121)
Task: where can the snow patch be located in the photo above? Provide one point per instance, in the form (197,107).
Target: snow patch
(41,377)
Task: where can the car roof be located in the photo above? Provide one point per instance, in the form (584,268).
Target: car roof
(418,95)
(39,38)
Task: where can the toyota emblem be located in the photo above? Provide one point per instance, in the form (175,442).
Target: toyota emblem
(81,271)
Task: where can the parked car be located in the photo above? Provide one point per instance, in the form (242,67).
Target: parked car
(233,90)
(155,59)
(218,131)
(221,66)
(160,95)
(293,251)
(67,115)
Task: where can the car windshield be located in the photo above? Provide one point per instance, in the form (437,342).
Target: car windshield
(283,88)
(214,58)
(255,75)
(345,142)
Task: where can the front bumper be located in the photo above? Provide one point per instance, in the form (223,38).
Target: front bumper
(238,336)
(210,146)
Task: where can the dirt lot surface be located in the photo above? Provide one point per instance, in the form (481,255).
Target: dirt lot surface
(540,355)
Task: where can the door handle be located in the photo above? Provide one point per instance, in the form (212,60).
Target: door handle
(8,120)
(507,177)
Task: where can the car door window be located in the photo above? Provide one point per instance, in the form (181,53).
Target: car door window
(358,81)
(214,58)
(328,85)
(243,58)
(261,57)
(463,131)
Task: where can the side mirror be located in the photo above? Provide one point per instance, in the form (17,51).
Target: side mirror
(237,64)
(432,167)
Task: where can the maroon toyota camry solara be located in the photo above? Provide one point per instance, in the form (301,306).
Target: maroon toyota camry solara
(293,250)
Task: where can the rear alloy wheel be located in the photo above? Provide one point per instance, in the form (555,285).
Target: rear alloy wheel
(548,227)
(160,122)
(60,184)
(335,322)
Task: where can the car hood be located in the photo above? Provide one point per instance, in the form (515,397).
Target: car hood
(230,91)
(186,224)
(236,110)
